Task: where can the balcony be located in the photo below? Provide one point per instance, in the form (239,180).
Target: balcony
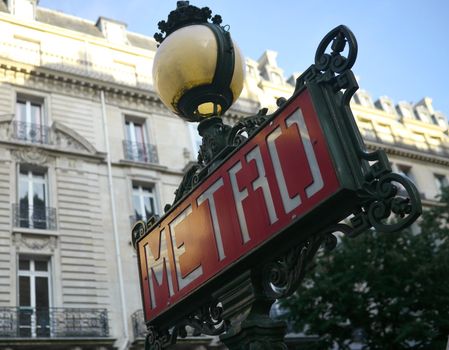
(138,322)
(34,133)
(405,143)
(37,217)
(140,152)
(27,322)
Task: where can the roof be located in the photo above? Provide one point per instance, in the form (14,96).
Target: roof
(141,41)
(62,20)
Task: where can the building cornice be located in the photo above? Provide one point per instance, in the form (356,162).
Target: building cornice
(49,150)
(417,155)
(374,113)
(151,166)
(80,84)
(418,125)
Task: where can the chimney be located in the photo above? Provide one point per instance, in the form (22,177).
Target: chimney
(114,31)
(23,9)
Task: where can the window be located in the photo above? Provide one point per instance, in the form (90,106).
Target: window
(363,99)
(34,297)
(434,119)
(435,144)
(29,123)
(441,181)
(406,171)
(251,71)
(135,132)
(385,133)
(422,114)
(276,78)
(420,141)
(144,202)
(32,211)
(135,145)
(366,128)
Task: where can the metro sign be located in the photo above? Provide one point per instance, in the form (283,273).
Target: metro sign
(246,233)
(271,182)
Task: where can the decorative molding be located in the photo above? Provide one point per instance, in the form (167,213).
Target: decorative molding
(34,242)
(32,155)
(398,151)
(76,85)
(5,129)
(67,138)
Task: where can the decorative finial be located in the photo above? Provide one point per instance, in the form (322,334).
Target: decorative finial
(182,4)
(184,15)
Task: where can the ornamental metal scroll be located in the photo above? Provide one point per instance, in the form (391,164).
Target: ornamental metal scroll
(388,201)
(218,141)
(335,62)
(282,276)
(206,320)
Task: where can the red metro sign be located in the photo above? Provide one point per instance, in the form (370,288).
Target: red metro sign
(279,175)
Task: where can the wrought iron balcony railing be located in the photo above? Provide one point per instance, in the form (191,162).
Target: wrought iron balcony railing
(140,152)
(37,217)
(134,218)
(35,133)
(405,143)
(26,322)
(138,322)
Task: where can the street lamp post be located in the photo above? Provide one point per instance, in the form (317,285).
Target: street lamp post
(265,194)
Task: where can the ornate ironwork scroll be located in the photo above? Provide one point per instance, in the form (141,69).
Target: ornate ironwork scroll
(382,206)
(157,339)
(282,276)
(207,320)
(219,140)
(140,227)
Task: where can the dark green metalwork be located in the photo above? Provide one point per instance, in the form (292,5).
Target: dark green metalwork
(247,308)
(239,308)
(219,141)
(183,16)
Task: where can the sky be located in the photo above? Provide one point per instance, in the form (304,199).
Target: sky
(403,44)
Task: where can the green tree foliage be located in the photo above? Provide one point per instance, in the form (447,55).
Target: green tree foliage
(392,290)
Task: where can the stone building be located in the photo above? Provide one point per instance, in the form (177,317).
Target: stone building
(86,148)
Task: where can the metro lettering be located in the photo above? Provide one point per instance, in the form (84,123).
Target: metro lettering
(208,195)
(158,266)
(298,119)
(239,196)
(179,250)
(288,203)
(260,191)
(262,182)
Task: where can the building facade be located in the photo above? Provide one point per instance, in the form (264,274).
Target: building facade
(87,148)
